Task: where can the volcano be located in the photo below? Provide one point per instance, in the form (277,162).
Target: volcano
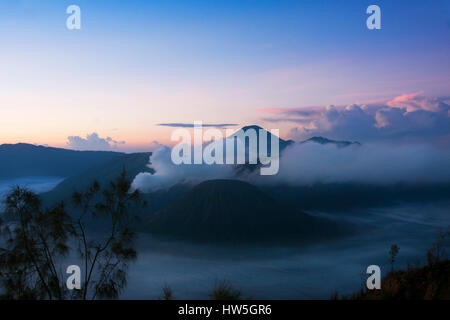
(236,211)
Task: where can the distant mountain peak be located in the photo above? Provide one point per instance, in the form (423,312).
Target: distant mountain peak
(257,128)
(323,140)
(254,127)
(320,139)
(282,143)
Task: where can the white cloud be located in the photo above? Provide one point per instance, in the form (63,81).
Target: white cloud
(409,117)
(92,142)
(167,173)
(374,163)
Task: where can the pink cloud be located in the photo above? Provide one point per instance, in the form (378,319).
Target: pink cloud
(408,115)
(413,102)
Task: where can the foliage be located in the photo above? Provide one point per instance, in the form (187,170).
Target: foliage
(427,282)
(430,281)
(34,241)
(223,290)
(37,243)
(167,293)
(437,252)
(393,254)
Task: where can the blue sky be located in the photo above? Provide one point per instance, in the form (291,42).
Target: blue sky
(135,64)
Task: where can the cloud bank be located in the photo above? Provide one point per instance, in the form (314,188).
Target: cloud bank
(373,163)
(92,142)
(310,163)
(408,118)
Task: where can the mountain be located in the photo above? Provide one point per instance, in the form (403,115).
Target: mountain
(236,211)
(242,169)
(339,144)
(282,143)
(24,160)
(104,172)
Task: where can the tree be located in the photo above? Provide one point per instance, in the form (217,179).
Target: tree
(437,252)
(393,254)
(38,243)
(223,290)
(34,239)
(167,293)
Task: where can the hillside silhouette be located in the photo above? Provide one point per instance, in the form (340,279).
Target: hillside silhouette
(236,211)
(25,160)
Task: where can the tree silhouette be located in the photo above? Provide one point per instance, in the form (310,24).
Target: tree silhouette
(393,254)
(34,239)
(437,252)
(223,290)
(38,243)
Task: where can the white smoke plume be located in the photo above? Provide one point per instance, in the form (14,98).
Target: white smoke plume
(309,163)
(168,174)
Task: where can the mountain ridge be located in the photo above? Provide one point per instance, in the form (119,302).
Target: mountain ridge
(225,210)
(22,160)
(107,171)
(324,140)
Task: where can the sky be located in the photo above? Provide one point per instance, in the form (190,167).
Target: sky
(136,64)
